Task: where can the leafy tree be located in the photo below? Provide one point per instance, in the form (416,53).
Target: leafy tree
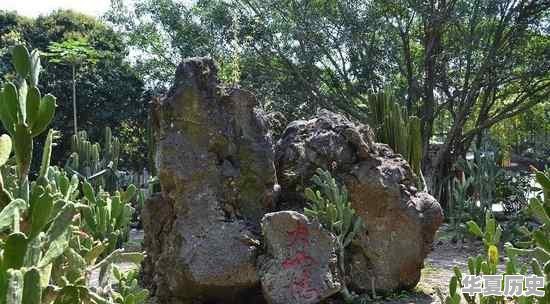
(110,91)
(482,62)
(75,52)
(460,66)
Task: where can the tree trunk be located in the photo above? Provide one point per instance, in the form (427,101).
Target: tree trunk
(432,47)
(74,100)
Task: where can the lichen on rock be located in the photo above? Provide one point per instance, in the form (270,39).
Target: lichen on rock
(400,220)
(216,165)
(217,177)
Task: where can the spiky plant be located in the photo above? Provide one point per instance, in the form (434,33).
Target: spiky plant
(45,257)
(537,250)
(393,126)
(330,205)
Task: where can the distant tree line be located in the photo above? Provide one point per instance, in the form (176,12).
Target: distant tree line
(109,91)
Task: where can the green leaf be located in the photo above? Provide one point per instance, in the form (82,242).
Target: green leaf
(41,213)
(474,229)
(61,222)
(76,265)
(7,214)
(471,266)
(14,250)
(5,148)
(46,154)
(22,102)
(89,192)
(35,67)
(92,255)
(33,104)
(5,116)
(21,60)
(453,286)
(10,101)
(23,148)
(537,269)
(46,112)
(542,239)
(129,194)
(536,208)
(56,248)
(32,293)
(543,179)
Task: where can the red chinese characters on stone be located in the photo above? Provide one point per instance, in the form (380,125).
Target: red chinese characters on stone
(301,284)
(299,235)
(301,258)
(301,287)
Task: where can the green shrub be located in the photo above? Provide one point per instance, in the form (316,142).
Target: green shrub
(536,251)
(45,255)
(330,205)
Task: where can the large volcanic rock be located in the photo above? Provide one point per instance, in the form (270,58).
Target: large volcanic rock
(401,222)
(300,265)
(217,178)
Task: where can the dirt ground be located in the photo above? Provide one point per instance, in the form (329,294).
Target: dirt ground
(437,271)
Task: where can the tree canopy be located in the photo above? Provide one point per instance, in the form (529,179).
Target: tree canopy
(109,92)
(471,64)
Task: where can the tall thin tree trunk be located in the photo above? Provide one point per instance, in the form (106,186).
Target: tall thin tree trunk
(74,100)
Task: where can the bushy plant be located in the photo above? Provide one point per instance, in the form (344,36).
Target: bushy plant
(45,255)
(128,290)
(536,251)
(330,205)
(108,216)
(483,174)
(460,207)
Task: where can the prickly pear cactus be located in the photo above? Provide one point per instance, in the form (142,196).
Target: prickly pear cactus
(24,112)
(45,257)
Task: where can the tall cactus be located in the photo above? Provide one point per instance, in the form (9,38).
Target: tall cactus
(393,126)
(88,160)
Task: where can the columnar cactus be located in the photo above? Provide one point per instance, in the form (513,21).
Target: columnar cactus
(99,166)
(394,127)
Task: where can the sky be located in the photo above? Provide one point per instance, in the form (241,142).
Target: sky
(33,8)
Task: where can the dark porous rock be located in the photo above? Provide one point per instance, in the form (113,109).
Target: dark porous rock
(215,164)
(401,221)
(300,265)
